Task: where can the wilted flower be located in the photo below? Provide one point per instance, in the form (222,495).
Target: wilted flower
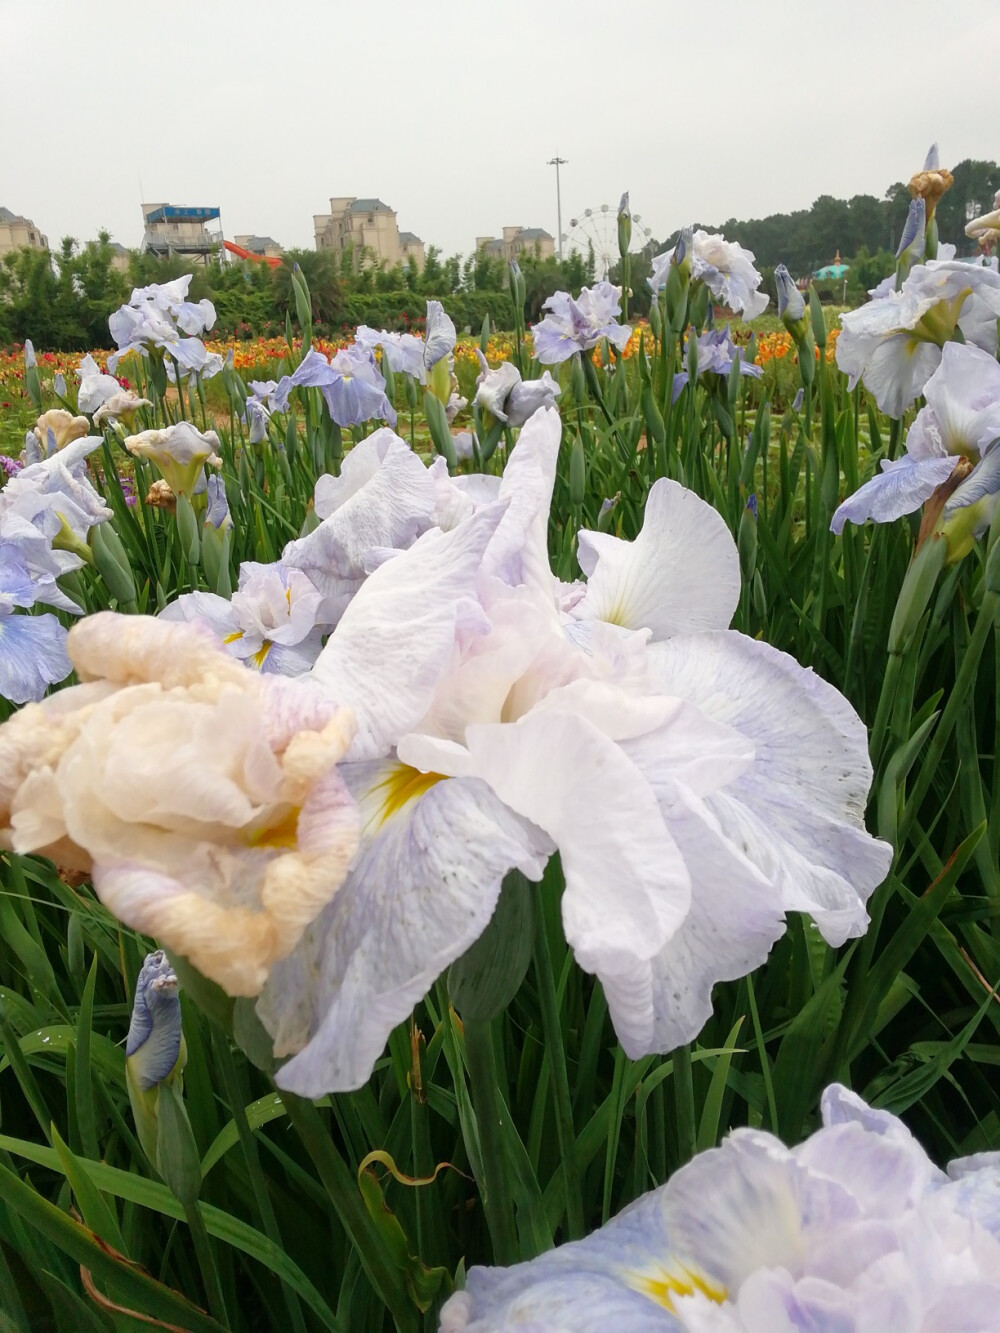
(203,799)
(160,496)
(95,387)
(505,395)
(853,1230)
(986,229)
(274,623)
(122,405)
(960,423)
(56,428)
(579,325)
(931,183)
(724,267)
(179,452)
(894,342)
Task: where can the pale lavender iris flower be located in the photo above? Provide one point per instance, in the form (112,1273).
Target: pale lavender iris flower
(32,648)
(961,419)
(853,1231)
(578,325)
(716,354)
(351,385)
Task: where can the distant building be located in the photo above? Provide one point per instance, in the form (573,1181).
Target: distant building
(517,241)
(369,227)
(16,232)
(265,246)
(119,256)
(170,230)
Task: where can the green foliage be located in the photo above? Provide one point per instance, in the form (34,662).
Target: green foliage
(808,238)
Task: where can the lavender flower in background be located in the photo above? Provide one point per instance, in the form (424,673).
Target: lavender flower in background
(893,344)
(59,384)
(30,360)
(155,317)
(352,387)
(958,428)
(439,337)
(716,354)
(505,395)
(275,622)
(95,387)
(579,325)
(854,1230)
(403,351)
(725,268)
(12,466)
(32,648)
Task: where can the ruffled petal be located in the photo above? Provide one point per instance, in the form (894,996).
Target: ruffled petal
(422,890)
(680,575)
(798,811)
(386,657)
(900,489)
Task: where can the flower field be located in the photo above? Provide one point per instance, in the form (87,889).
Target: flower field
(505,833)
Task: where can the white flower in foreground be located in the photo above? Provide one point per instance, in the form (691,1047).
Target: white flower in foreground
(95,387)
(961,421)
(383,500)
(894,342)
(853,1231)
(179,452)
(724,785)
(203,799)
(274,623)
(725,268)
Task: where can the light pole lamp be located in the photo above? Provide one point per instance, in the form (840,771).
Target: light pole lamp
(558,162)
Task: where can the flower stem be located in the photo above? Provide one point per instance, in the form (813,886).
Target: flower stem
(496,1194)
(346,1199)
(556,1054)
(684,1103)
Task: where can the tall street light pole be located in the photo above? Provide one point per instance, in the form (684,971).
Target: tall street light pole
(558,162)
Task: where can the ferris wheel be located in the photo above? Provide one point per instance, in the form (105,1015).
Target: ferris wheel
(597,228)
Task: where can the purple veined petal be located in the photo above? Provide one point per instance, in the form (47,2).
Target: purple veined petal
(154,1031)
(422,889)
(798,811)
(900,489)
(17,588)
(32,656)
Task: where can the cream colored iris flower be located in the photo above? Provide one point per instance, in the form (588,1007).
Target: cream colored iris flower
(203,799)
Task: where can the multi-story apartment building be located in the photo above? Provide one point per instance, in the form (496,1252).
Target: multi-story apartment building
(265,246)
(16,232)
(168,229)
(369,227)
(517,241)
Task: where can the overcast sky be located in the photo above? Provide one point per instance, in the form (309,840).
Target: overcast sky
(449,109)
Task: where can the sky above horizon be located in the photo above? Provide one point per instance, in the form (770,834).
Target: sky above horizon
(449,112)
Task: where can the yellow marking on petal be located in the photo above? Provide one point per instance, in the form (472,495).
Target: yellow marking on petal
(231,638)
(260,656)
(664,1286)
(283,833)
(403,785)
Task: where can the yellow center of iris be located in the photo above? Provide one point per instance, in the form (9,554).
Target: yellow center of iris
(403,785)
(664,1286)
(283,832)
